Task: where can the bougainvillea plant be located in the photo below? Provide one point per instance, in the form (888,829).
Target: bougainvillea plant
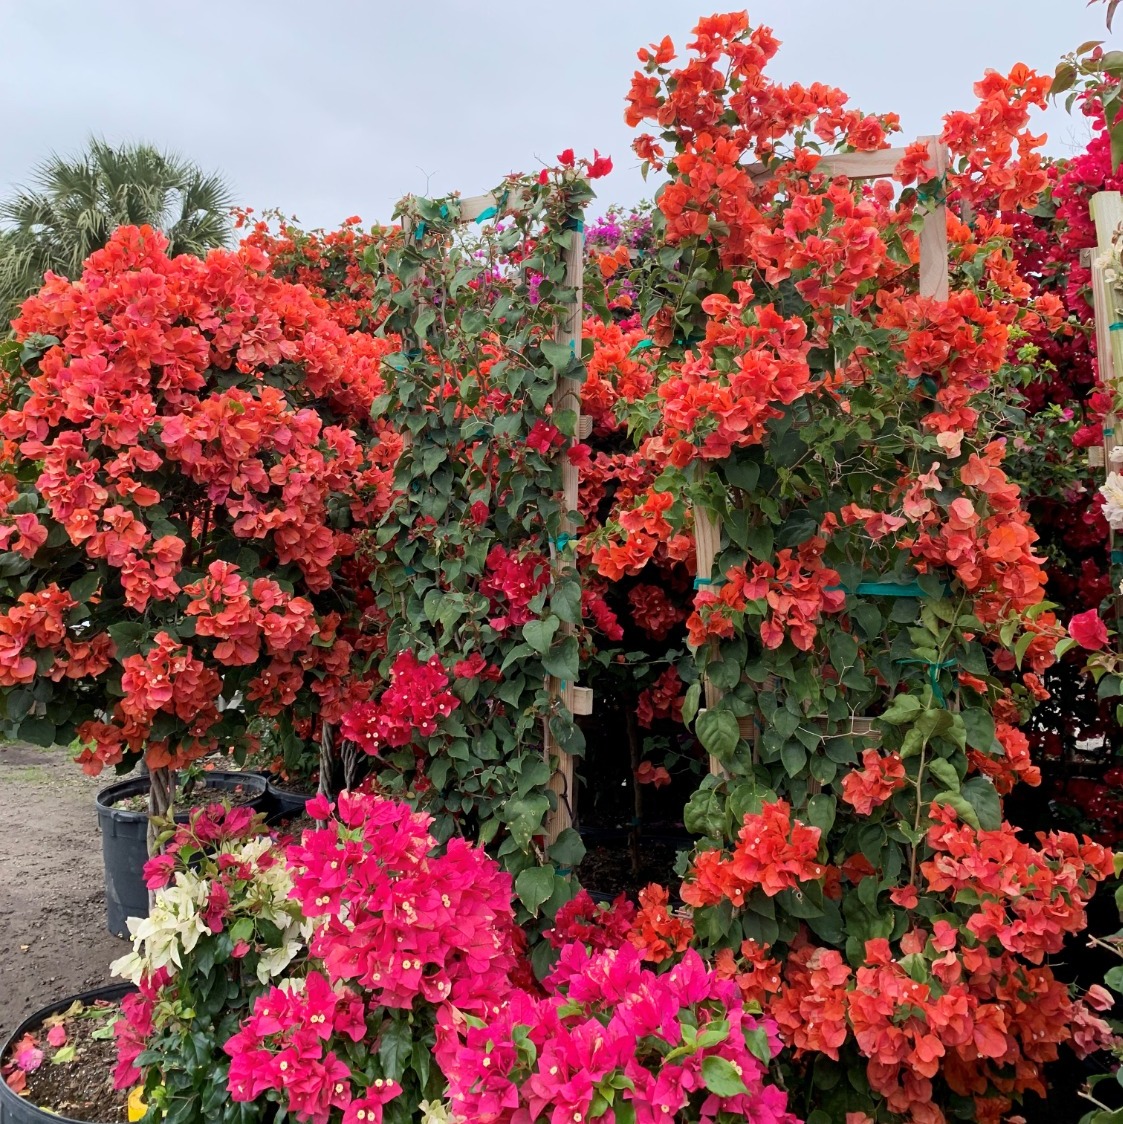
(876,562)
(186,447)
(471,569)
(223,926)
(417,1000)
(873,631)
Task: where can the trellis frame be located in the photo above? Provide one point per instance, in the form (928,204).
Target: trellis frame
(934,283)
(567,396)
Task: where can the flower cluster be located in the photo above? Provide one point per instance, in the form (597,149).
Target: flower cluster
(672,1048)
(171,418)
(774,852)
(405,924)
(511,583)
(413,705)
(222,928)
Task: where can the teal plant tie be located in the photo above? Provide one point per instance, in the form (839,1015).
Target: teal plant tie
(699,582)
(419,233)
(889,589)
(643,345)
(934,669)
(562,541)
(1116,327)
(489,213)
(1109,432)
(444,210)
(1117,556)
(563,871)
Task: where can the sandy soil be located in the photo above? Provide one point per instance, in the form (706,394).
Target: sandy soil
(53,939)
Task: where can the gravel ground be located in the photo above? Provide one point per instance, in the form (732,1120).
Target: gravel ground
(53,939)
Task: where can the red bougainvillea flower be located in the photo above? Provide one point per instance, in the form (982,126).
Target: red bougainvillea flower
(1088,630)
(864,789)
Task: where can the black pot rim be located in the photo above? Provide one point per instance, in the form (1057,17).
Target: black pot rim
(275,790)
(136,785)
(110,991)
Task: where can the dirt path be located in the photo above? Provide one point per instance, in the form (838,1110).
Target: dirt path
(53,940)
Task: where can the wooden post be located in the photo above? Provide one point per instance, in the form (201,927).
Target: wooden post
(934,232)
(1107,214)
(567,396)
(707,540)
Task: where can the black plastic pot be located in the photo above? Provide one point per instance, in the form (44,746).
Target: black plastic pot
(124,842)
(19,1110)
(285,805)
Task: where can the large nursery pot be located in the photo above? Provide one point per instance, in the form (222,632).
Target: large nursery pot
(124,841)
(283,803)
(15,1109)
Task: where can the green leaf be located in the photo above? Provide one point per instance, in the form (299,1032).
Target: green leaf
(794,758)
(63,1054)
(563,660)
(395,1048)
(983,797)
(721,1078)
(127,636)
(1063,79)
(821,811)
(565,601)
(980,729)
(704,814)
(85,587)
(534,886)
(568,849)
(539,634)
(690,703)
(902,710)
(944,772)
(38,731)
(757,1042)
(558,355)
(963,809)
(717,731)
(1114,978)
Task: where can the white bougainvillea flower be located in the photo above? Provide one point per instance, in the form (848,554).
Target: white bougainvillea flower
(1112,491)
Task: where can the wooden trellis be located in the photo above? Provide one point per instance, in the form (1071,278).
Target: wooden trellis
(933,283)
(567,396)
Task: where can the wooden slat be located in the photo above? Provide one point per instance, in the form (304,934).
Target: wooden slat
(934,233)
(567,396)
(475,205)
(582,700)
(855,165)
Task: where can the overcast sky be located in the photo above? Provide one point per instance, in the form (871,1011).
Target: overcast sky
(327,108)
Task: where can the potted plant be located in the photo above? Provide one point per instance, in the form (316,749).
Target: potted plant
(178,507)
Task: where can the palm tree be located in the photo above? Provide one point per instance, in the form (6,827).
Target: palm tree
(75,204)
